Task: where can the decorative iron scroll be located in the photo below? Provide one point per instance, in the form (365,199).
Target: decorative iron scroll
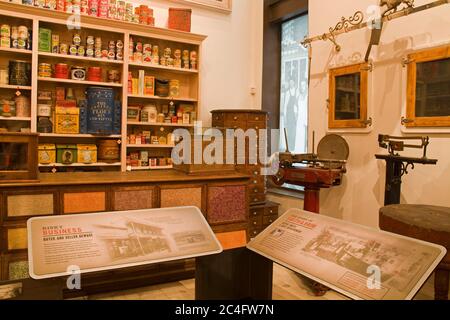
(344,24)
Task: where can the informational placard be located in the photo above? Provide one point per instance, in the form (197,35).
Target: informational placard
(357,261)
(104,241)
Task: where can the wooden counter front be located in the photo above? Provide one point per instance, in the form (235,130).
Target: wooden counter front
(223,199)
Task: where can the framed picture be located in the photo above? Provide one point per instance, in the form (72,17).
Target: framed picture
(221,5)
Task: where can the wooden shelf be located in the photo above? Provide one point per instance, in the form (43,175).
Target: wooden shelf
(149,168)
(68,56)
(161,98)
(148,146)
(79,135)
(14,87)
(97,164)
(16,118)
(19,51)
(160,67)
(146,124)
(92,83)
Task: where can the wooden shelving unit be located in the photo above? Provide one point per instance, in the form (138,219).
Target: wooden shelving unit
(108,30)
(97,164)
(149,168)
(150,146)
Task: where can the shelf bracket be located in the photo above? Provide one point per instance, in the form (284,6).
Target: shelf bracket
(368,122)
(405,121)
(367,67)
(406,61)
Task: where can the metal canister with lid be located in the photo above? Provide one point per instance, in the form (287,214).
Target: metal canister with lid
(19,73)
(78,73)
(5,31)
(63,48)
(45,70)
(76,40)
(61,70)
(55,43)
(23,32)
(23,106)
(4,76)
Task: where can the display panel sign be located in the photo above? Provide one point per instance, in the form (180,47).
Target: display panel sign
(112,240)
(357,261)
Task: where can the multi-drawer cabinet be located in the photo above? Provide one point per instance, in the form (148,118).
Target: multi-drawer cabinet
(262,216)
(222,198)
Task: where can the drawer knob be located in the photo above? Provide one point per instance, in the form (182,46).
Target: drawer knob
(256,118)
(256,199)
(255,232)
(255,181)
(255,173)
(270,221)
(271,211)
(254,223)
(257,128)
(255,213)
(235,118)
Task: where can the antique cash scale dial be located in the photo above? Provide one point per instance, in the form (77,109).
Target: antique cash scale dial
(314,171)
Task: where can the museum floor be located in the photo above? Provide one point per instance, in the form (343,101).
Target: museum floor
(287,286)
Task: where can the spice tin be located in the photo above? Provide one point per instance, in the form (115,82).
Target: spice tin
(90,40)
(61,70)
(111,55)
(44,110)
(89,52)
(21,44)
(67,120)
(87,153)
(73,50)
(78,73)
(14,32)
(76,40)
(66,153)
(119,54)
(162,88)
(19,73)
(47,153)
(108,150)
(55,43)
(149,86)
(94,74)
(44,95)
(114,76)
(45,70)
(81,51)
(112,45)
(23,106)
(174,88)
(5,43)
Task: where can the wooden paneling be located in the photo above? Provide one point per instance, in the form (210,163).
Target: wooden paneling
(29,205)
(226,204)
(16,238)
(84,202)
(178,196)
(133,198)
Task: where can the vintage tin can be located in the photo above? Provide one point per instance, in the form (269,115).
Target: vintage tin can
(55,43)
(68,6)
(90,40)
(105,53)
(101,110)
(7,108)
(14,32)
(90,53)
(19,73)
(73,50)
(63,48)
(114,76)
(87,153)
(111,54)
(94,74)
(81,51)
(78,73)
(47,153)
(93,7)
(147,57)
(162,88)
(44,95)
(119,44)
(4,76)
(21,44)
(76,40)
(98,53)
(60,5)
(119,54)
(66,153)
(67,120)
(5,43)
(147,48)
(23,106)
(167,52)
(22,32)
(45,70)
(84,7)
(98,42)
(108,150)
(50,4)
(5,31)
(44,110)
(61,70)
(174,88)
(137,57)
(139,47)
(155,50)
(45,40)
(163,61)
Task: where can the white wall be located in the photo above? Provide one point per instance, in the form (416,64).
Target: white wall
(362,193)
(232,54)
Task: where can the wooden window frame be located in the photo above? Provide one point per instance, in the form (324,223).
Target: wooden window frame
(428,55)
(363,70)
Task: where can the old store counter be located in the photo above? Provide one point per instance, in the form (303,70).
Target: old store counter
(223,199)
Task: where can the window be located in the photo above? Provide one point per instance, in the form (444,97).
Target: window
(294,85)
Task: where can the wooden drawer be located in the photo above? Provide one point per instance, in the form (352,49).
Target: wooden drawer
(256,212)
(257,117)
(180,196)
(14,238)
(256,222)
(271,210)
(24,204)
(268,220)
(235,125)
(253,232)
(235,117)
(256,188)
(218,117)
(257,179)
(84,201)
(257,198)
(256,125)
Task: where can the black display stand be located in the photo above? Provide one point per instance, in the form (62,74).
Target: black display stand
(237,274)
(396,168)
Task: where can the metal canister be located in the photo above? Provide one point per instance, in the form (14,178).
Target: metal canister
(61,70)
(119,54)
(94,74)
(90,40)
(5,31)
(21,44)
(81,51)
(23,106)
(19,73)
(155,51)
(73,50)
(147,48)
(14,32)
(55,43)
(76,40)
(63,48)
(114,76)
(119,44)
(174,87)
(111,54)
(139,47)
(90,52)
(45,70)
(78,73)
(108,150)
(112,45)
(5,42)
(23,32)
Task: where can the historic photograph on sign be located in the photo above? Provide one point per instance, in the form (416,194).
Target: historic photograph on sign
(104,241)
(357,261)
(222,5)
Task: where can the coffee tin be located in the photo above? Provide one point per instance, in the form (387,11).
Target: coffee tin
(45,70)
(78,73)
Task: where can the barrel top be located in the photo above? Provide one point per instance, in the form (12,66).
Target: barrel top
(422,216)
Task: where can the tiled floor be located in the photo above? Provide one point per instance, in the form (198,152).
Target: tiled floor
(287,286)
